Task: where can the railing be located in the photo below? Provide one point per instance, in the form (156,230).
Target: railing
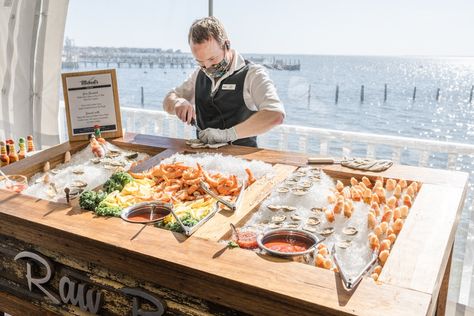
(320,141)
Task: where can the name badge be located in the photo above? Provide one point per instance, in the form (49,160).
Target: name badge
(228,86)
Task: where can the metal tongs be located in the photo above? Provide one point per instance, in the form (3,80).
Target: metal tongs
(230,205)
(188,231)
(350,283)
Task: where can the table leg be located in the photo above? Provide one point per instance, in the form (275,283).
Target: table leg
(443,290)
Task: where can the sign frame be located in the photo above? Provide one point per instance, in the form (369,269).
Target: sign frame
(118,117)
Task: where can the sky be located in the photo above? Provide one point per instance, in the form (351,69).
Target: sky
(315,27)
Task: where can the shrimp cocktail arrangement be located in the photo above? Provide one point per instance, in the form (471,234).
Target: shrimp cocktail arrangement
(183,182)
(357,223)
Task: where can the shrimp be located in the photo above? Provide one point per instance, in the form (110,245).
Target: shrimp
(373,241)
(396,214)
(404,211)
(391,183)
(392,237)
(251,179)
(397,226)
(339,185)
(378,269)
(374,276)
(385,244)
(402,183)
(383,256)
(354,181)
(407,200)
(367,182)
(355,195)
(329,215)
(375,198)
(392,202)
(371,220)
(367,195)
(387,216)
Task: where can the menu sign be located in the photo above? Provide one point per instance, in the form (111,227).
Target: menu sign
(91,99)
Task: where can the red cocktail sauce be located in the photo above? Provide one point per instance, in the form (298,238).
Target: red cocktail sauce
(284,245)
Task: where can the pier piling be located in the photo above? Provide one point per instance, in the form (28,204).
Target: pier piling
(414,94)
(385,93)
(309,95)
(337,94)
(437,94)
(470,94)
(362,94)
(142,97)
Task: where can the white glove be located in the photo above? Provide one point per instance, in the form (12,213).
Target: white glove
(215,135)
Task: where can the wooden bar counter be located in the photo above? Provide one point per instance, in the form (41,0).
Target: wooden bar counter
(87,257)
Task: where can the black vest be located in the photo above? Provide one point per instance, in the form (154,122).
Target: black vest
(224,108)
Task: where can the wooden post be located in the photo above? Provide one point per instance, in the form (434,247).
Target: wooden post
(470,95)
(337,94)
(385,93)
(414,93)
(309,95)
(143,98)
(362,94)
(437,94)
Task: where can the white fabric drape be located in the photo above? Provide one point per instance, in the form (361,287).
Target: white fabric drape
(31,37)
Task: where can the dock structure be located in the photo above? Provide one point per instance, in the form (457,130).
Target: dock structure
(119,57)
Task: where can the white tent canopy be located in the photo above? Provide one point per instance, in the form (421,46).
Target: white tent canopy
(31,37)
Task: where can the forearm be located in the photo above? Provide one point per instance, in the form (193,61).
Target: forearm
(259,123)
(170,101)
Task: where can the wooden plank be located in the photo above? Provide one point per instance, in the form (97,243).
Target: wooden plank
(238,279)
(253,196)
(14,306)
(419,256)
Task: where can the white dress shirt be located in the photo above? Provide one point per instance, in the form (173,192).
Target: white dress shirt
(259,91)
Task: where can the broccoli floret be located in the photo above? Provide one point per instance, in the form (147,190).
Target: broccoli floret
(90,199)
(117,181)
(104,209)
(187,220)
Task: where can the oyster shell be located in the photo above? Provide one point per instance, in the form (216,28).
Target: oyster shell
(288,208)
(299,191)
(306,185)
(309,228)
(79,184)
(95,160)
(318,209)
(283,189)
(117,163)
(299,173)
(278,218)
(350,230)
(112,154)
(313,221)
(78,171)
(55,171)
(273,207)
(292,225)
(344,244)
(132,156)
(274,225)
(296,217)
(326,231)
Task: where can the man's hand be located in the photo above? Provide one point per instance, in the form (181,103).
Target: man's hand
(184,110)
(215,135)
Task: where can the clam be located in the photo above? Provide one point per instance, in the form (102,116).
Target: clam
(274,225)
(299,191)
(296,217)
(309,228)
(313,221)
(326,231)
(343,244)
(350,230)
(79,184)
(288,208)
(283,190)
(278,218)
(292,225)
(273,207)
(78,171)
